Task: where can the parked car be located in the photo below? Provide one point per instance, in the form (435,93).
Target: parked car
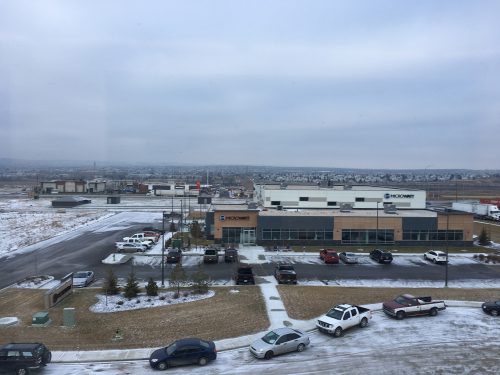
(342,317)
(329,256)
(130,247)
(244,276)
(381,256)
(491,307)
(20,358)
(174,256)
(406,305)
(230,255)
(279,341)
(82,278)
(349,258)
(183,352)
(436,256)
(285,273)
(211,256)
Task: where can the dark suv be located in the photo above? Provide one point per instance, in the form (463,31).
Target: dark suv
(211,256)
(381,256)
(20,358)
(230,255)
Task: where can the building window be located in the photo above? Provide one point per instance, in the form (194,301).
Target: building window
(275,203)
(296,235)
(370,236)
(303,199)
(428,235)
(332,204)
(360,199)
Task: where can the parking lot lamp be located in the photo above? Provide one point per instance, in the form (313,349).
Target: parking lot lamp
(446,264)
(163,250)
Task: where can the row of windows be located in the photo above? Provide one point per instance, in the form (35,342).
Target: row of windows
(296,234)
(353,236)
(436,235)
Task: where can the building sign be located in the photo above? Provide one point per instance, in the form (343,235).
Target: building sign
(389,196)
(233,218)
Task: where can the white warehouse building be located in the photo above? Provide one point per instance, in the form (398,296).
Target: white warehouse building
(279,196)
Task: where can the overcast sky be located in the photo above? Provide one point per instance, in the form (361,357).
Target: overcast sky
(368,84)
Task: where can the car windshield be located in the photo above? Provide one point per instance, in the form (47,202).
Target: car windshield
(335,314)
(80,275)
(286,268)
(350,255)
(171,348)
(270,337)
(402,300)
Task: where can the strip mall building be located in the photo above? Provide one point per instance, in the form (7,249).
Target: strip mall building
(353,215)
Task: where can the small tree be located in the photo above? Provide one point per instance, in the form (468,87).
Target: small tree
(110,286)
(178,278)
(132,288)
(484,239)
(200,281)
(172,227)
(151,288)
(195,230)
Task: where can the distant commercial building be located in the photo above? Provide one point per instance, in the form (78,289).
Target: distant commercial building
(67,186)
(171,189)
(250,226)
(280,196)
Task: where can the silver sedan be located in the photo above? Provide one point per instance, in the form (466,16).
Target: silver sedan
(279,341)
(349,258)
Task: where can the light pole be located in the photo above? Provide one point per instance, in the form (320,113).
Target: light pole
(163,250)
(446,264)
(376,232)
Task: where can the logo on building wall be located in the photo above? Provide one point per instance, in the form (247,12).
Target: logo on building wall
(389,196)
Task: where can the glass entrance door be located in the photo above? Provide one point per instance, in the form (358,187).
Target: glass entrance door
(247,236)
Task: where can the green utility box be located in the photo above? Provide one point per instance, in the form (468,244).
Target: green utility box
(69,317)
(40,318)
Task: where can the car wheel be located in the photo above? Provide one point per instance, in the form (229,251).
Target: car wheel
(434,260)
(363,323)
(425,257)
(400,315)
(47,358)
(202,361)
(269,355)
(301,347)
(22,371)
(494,312)
(337,332)
(162,366)
(433,312)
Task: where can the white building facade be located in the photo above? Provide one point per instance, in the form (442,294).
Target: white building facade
(317,197)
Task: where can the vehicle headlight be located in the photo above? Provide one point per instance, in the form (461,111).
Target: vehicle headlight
(154,360)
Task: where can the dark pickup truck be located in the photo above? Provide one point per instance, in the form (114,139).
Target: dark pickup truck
(244,276)
(285,274)
(211,256)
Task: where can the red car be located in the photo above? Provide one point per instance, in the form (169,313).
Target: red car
(329,256)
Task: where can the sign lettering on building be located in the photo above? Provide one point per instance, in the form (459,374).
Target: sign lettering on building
(389,196)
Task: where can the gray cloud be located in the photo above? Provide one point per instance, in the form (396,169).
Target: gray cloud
(362,84)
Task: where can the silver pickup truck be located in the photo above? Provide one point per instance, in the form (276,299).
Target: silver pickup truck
(408,305)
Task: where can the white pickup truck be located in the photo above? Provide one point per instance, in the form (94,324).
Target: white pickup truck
(406,305)
(142,237)
(342,317)
(147,243)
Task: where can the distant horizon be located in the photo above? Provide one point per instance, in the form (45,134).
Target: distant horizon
(6,162)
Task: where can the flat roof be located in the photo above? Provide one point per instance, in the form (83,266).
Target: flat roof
(353,213)
(232,207)
(335,187)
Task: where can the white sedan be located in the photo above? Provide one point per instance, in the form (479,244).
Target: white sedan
(82,278)
(436,256)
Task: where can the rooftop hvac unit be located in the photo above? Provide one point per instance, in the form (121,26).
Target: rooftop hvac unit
(345,207)
(390,209)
